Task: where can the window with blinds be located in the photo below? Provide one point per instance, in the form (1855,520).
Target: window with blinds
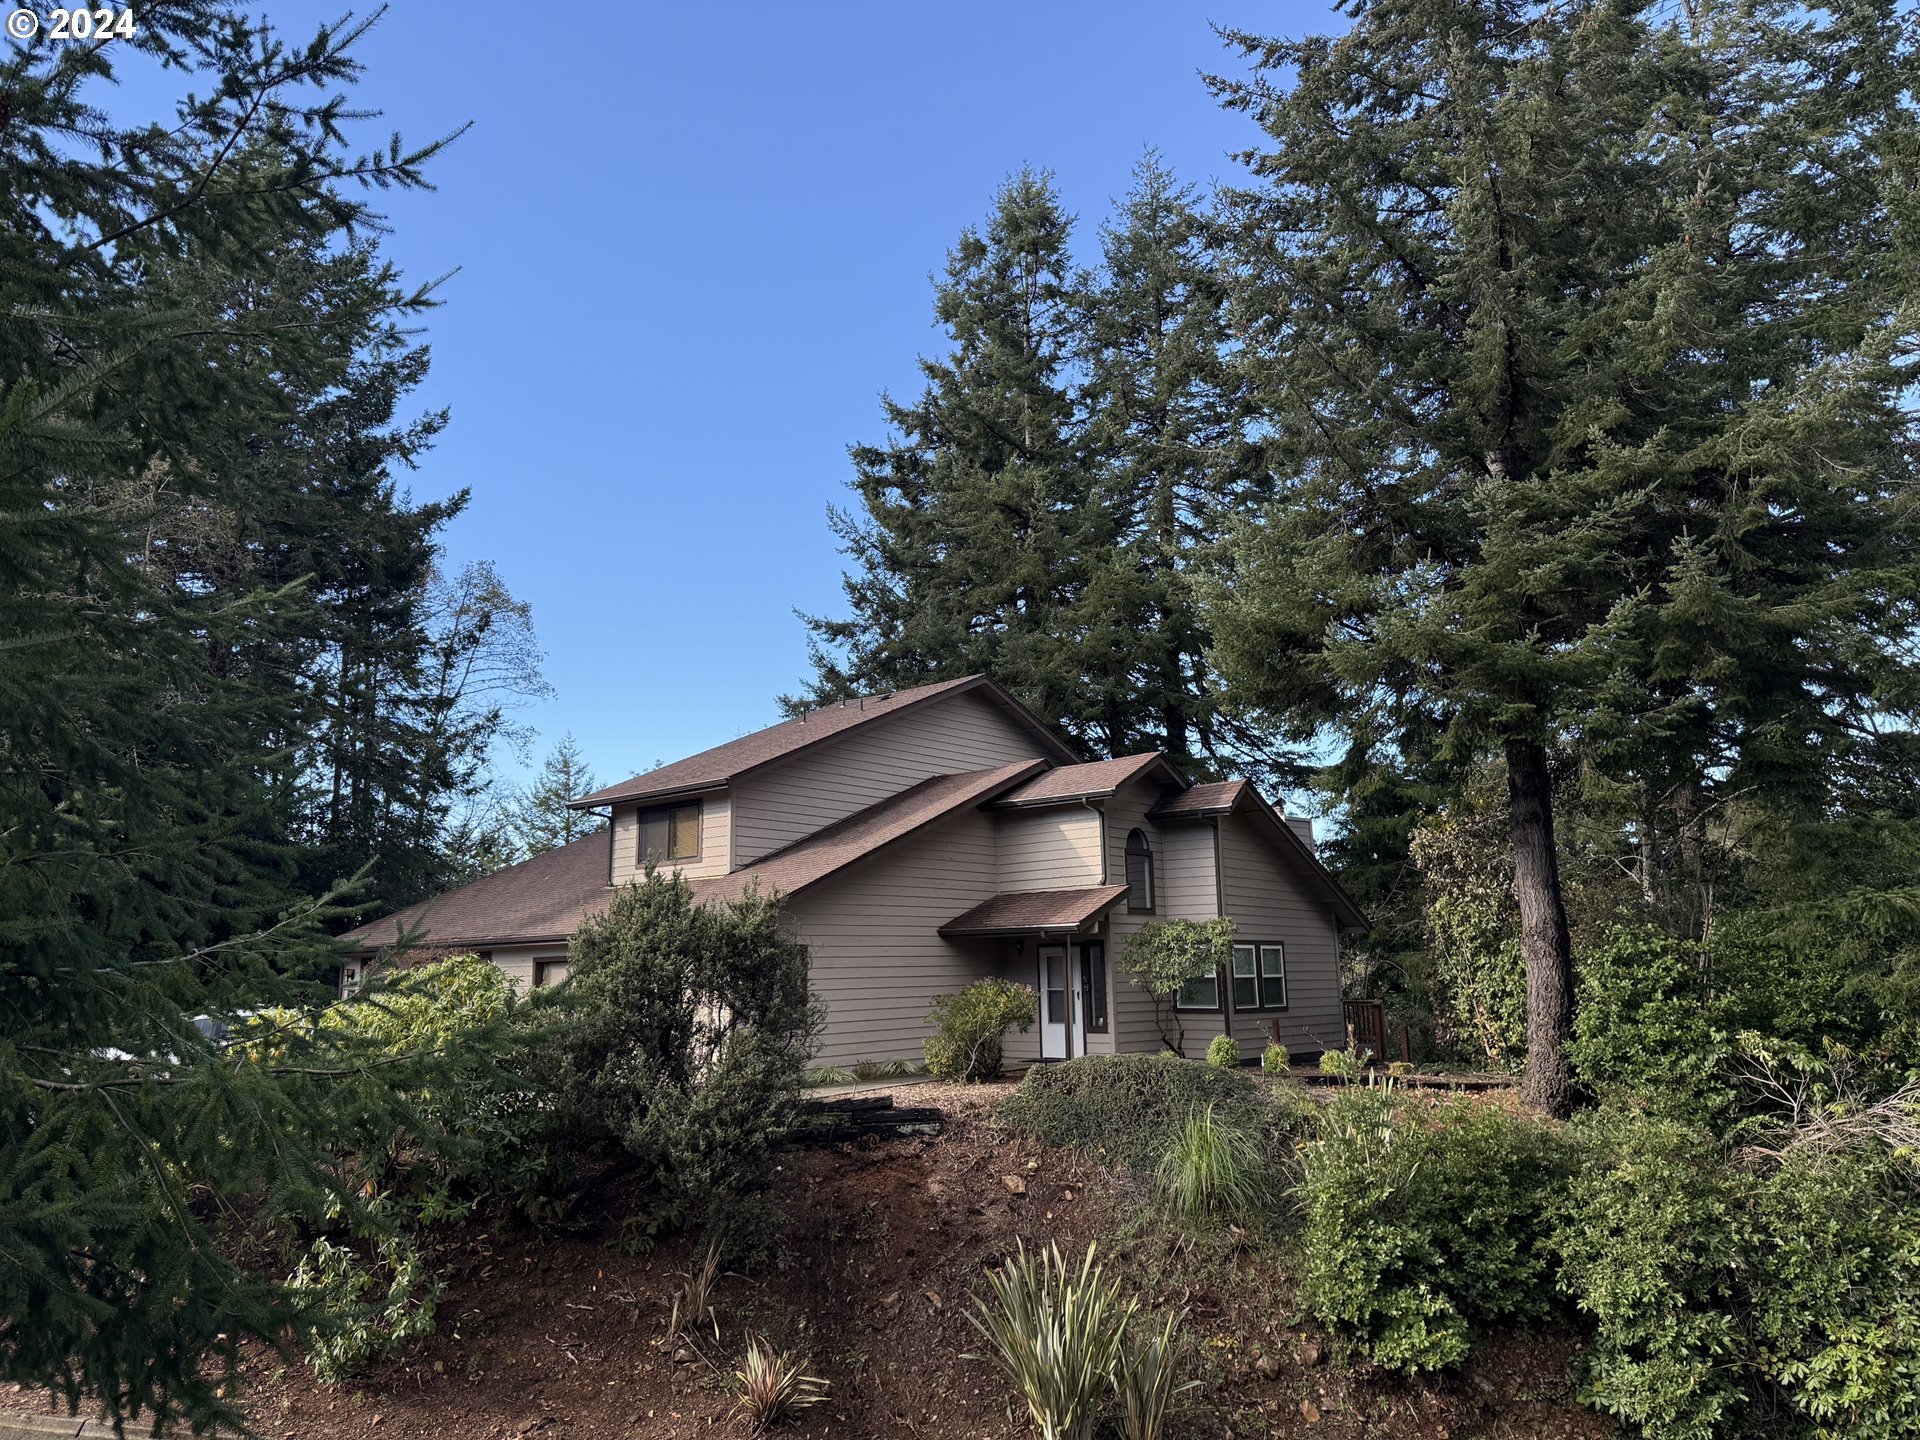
(670,834)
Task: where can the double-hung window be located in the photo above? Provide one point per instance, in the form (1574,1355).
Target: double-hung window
(1259,977)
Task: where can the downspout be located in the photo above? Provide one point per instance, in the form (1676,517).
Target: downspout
(1100,814)
(1220,909)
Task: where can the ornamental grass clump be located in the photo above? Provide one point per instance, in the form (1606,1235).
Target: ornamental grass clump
(1211,1171)
(771,1386)
(1057,1331)
(1147,1379)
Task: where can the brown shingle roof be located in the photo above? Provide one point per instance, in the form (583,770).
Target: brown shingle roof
(1072,782)
(807,862)
(547,897)
(723,763)
(1214,799)
(1022,911)
(538,899)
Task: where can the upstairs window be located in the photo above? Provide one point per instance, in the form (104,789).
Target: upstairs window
(1139,873)
(670,834)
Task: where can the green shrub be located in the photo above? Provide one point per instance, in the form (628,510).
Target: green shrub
(1223,1051)
(1422,1222)
(1647,1030)
(369,1296)
(1211,1171)
(448,1036)
(1128,1109)
(1057,1332)
(1274,1058)
(687,1054)
(1348,1064)
(1164,956)
(1647,1248)
(972,1028)
(1723,1286)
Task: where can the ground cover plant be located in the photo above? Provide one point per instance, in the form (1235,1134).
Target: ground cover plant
(1130,1109)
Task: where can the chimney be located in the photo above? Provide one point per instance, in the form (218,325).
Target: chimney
(1302,826)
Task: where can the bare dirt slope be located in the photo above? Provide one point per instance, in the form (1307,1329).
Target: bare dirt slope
(564,1337)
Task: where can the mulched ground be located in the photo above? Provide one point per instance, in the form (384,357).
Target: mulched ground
(565,1337)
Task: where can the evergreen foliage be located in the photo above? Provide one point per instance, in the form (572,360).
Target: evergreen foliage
(1581,337)
(1039,514)
(539,819)
(198,380)
(687,1054)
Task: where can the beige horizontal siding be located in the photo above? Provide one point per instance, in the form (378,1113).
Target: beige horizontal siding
(794,799)
(1270,901)
(716,841)
(1052,849)
(517,960)
(1183,880)
(875,958)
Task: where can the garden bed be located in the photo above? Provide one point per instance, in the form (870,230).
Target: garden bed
(564,1335)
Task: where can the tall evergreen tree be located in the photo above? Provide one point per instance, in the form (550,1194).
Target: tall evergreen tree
(145,714)
(540,820)
(1584,338)
(1165,423)
(969,546)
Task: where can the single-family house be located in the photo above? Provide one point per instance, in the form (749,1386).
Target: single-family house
(928,838)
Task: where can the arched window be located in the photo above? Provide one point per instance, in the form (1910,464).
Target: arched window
(1139,872)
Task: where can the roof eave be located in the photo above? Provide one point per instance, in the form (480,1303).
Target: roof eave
(1012,931)
(1061,752)
(430,941)
(1019,777)
(677,792)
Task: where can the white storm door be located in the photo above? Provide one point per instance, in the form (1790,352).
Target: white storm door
(1056,1003)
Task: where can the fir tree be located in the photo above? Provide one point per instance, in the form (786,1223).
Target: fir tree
(1164,437)
(540,820)
(146,720)
(1583,334)
(969,546)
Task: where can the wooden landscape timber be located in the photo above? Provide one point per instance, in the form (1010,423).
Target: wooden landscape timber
(861,1117)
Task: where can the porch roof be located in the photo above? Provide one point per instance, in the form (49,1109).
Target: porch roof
(1033,912)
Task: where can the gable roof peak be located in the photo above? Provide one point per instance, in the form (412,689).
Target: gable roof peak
(721,765)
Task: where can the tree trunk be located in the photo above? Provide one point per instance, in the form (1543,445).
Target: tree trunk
(1548,1083)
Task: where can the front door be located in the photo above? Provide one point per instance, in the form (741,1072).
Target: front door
(1060,1022)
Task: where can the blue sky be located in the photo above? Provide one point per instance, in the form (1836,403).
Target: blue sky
(693,245)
